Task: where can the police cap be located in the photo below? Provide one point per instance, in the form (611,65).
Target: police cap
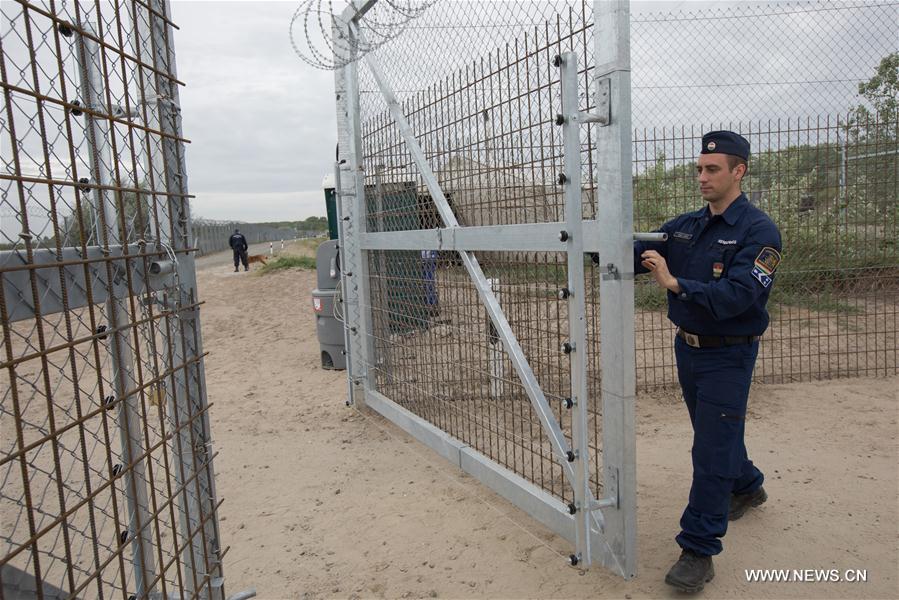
(725,142)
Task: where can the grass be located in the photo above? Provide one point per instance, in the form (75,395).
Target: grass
(287,262)
(823,301)
(306,246)
(649,296)
(515,274)
(652,297)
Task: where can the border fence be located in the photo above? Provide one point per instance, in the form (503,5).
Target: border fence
(107,486)
(212,236)
(486,147)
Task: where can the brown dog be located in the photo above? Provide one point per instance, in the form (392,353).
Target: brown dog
(253,258)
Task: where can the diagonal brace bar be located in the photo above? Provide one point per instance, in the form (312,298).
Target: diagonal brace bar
(488,298)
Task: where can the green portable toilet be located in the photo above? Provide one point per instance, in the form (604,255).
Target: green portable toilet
(407,278)
(404,279)
(330,205)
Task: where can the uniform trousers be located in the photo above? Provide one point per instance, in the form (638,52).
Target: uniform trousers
(240,256)
(715,384)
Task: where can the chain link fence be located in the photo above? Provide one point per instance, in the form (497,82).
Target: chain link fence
(106,465)
(212,236)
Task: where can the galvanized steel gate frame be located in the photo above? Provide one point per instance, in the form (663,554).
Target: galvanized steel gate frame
(603,530)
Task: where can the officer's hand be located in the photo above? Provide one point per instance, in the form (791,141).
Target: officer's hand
(652,260)
(657,265)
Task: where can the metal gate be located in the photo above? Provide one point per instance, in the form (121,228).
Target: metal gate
(508,351)
(106,478)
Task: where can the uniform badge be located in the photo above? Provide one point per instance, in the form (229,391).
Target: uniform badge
(765,264)
(717,270)
(710,145)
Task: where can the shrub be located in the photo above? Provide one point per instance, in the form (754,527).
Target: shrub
(288,262)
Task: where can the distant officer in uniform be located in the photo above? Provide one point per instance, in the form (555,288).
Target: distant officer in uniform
(239,245)
(718,266)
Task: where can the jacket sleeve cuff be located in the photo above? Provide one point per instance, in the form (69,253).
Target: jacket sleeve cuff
(687,289)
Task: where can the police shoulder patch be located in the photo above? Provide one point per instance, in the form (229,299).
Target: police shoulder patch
(765,264)
(762,278)
(767,260)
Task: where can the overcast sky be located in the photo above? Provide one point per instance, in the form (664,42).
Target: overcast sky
(262,122)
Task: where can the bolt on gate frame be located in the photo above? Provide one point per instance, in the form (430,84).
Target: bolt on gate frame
(106,468)
(397,264)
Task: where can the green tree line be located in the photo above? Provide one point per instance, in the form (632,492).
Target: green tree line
(835,202)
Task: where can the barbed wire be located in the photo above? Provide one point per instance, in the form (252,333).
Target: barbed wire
(326,43)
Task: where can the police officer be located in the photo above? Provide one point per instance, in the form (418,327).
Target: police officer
(239,245)
(718,266)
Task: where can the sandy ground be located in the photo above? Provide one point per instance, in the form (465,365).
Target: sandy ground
(322,500)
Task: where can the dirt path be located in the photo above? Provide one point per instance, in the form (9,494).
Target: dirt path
(226,259)
(324,501)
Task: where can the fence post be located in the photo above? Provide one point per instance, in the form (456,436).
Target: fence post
(192,446)
(341,241)
(575,293)
(614,212)
(107,236)
(357,292)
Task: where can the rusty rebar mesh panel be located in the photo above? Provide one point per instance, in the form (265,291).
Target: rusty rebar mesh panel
(65,479)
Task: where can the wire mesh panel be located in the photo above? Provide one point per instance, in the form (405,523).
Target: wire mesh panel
(481,97)
(106,482)
(440,357)
(455,125)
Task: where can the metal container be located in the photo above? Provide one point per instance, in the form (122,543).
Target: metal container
(329,330)
(327,265)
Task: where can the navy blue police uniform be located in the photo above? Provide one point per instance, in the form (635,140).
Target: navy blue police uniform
(239,245)
(724,265)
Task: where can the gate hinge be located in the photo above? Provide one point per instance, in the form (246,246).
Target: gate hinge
(610,271)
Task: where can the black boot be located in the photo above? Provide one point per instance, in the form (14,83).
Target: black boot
(740,503)
(235,269)
(691,572)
